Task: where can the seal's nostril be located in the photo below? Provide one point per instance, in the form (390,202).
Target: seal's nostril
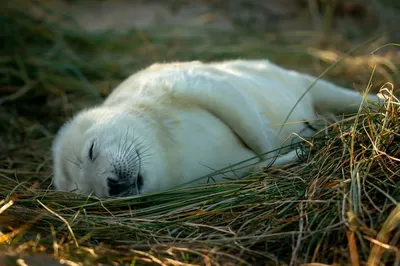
(115,187)
(139,181)
(112,181)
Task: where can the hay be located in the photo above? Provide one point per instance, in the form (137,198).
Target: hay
(341,205)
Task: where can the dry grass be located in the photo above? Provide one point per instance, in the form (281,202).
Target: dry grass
(339,206)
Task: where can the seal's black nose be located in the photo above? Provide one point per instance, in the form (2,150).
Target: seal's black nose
(117,188)
(125,186)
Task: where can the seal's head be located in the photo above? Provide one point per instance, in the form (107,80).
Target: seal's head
(99,152)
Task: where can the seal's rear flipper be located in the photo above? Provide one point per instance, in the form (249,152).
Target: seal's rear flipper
(332,99)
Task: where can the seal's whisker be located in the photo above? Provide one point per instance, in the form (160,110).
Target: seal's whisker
(130,147)
(72,162)
(76,156)
(122,149)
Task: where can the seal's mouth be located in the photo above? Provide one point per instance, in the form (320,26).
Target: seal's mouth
(120,188)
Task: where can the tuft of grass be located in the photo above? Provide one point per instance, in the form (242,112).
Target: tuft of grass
(339,206)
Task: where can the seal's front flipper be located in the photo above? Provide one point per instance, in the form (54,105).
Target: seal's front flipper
(234,108)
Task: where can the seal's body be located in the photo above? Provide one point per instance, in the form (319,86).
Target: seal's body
(172,123)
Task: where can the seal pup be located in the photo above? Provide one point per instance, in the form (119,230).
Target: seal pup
(171,123)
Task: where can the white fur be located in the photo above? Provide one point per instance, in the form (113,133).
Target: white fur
(186,120)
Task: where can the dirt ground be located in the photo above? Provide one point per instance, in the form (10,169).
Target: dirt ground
(124,15)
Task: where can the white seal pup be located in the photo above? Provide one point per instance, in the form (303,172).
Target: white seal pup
(175,122)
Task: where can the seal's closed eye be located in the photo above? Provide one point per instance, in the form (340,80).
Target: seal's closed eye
(91,152)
